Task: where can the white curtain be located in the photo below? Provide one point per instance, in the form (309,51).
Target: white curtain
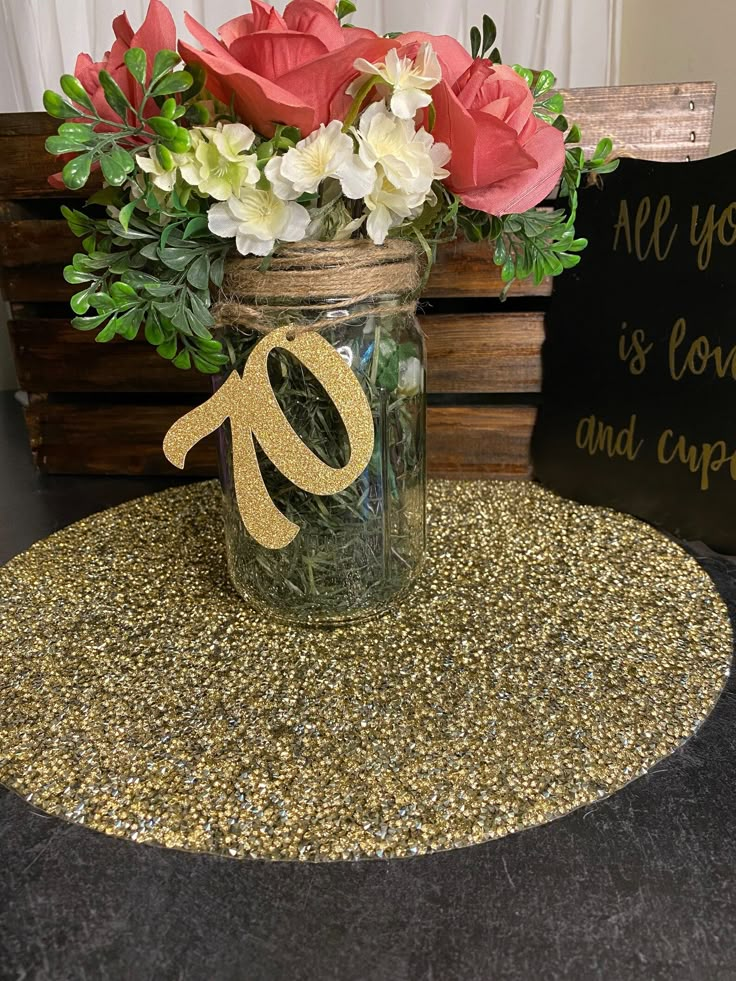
(577,39)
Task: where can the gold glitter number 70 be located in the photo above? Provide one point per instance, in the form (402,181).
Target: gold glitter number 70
(250,405)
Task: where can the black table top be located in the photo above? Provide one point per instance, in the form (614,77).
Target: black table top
(642,885)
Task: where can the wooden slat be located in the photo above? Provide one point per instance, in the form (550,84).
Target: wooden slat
(488,353)
(466,269)
(36,242)
(35,284)
(484,352)
(673,121)
(107,438)
(480,441)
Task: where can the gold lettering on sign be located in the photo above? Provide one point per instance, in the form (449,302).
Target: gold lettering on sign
(633,349)
(699,355)
(722,228)
(254,413)
(594,436)
(639,239)
(706,459)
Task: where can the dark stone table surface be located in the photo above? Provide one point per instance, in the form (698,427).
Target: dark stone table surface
(640,886)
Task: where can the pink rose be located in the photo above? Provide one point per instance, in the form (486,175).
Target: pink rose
(157,32)
(292,69)
(504,159)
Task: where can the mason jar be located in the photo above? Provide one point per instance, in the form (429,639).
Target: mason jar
(358,551)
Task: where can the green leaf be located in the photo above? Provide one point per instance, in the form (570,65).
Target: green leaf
(217,270)
(198,79)
(344,9)
(194,225)
(182,361)
(153,333)
(78,222)
(165,158)
(56,145)
(136,61)
(163,127)
(128,325)
(173,83)
(177,259)
(198,273)
(182,141)
(495,56)
(55,106)
(74,276)
(164,61)
(114,95)
(81,132)
(80,302)
(125,213)
(209,345)
(604,149)
(167,349)
(89,323)
(202,314)
(107,333)
(123,159)
(545,81)
(489,33)
(168,108)
(122,292)
(525,74)
(74,90)
(205,366)
(475,42)
(112,171)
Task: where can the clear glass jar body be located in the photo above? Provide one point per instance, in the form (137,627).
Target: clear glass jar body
(356,551)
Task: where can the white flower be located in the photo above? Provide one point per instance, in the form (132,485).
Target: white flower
(410,80)
(327,152)
(410,159)
(388,208)
(406,163)
(411,377)
(161,177)
(257,220)
(218,165)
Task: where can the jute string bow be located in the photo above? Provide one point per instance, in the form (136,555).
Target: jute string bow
(324,277)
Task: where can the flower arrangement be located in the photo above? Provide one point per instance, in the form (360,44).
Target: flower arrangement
(299,127)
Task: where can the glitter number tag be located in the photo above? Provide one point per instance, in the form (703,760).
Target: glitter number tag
(251,406)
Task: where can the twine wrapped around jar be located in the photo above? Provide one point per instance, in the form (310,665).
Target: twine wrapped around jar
(303,274)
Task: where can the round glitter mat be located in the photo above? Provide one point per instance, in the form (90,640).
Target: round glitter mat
(550,653)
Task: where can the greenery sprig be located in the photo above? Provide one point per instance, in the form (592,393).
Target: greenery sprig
(151,262)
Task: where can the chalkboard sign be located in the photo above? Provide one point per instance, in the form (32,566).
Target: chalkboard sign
(639,362)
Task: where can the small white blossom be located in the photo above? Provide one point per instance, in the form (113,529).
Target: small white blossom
(162,178)
(411,378)
(410,80)
(406,162)
(218,165)
(257,219)
(410,159)
(327,152)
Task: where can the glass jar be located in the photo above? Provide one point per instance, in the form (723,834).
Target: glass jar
(356,551)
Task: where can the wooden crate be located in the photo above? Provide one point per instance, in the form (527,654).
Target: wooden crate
(92,410)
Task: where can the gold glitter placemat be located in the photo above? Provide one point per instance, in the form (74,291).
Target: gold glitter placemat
(550,653)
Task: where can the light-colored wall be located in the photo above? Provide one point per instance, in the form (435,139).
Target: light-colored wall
(679,41)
